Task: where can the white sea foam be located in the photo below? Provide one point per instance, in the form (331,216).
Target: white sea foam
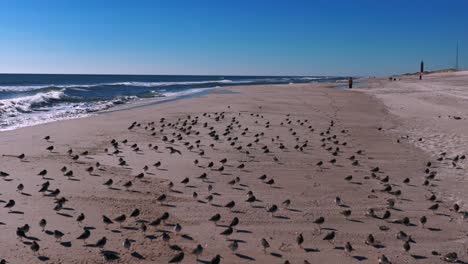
(15,106)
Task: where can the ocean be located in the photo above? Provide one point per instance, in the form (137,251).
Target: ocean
(30,99)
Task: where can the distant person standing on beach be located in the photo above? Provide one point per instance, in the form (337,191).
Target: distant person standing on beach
(350,82)
(421,70)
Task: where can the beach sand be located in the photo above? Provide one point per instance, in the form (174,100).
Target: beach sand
(399,108)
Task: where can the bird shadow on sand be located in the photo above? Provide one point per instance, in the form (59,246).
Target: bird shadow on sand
(274,254)
(355,220)
(434,229)
(311,250)
(137,255)
(281,217)
(244,231)
(26,194)
(43,258)
(16,212)
(66,215)
(185,236)
(418,257)
(295,210)
(359,258)
(244,257)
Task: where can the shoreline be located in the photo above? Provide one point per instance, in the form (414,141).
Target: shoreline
(357,116)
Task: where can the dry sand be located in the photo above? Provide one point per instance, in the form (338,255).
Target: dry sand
(311,189)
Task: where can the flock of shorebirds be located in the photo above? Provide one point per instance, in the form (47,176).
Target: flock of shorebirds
(199,135)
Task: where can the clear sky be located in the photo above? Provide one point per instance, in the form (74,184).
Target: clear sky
(248,37)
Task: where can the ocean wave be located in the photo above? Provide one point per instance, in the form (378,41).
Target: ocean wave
(25,104)
(25,88)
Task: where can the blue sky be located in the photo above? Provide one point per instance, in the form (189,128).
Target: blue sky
(255,37)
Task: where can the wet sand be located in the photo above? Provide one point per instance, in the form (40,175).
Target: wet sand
(328,124)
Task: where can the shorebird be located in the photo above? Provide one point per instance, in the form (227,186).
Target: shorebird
(35,247)
(216,260)
(42,173)
(330,236)
(85,235)
(272,209)
(215,218)
(198,251)
(346,213)
(135,213)
(384,260)
(230,205)
(234,222)
(319,221)
(109,183)
(406,246)
(10,204)
(58,235)
(227,232)
(127,185)
(120,219)
(423,220)
(300,240)
(101,243)
(20,188)
(106,220)
(80,218)
(127,244)
(370,240)
(42,224)
(348,248)
(434,207)
(264,244)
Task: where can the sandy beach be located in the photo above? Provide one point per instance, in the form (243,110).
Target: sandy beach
(307,139)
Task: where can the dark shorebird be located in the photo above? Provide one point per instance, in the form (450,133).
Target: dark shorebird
(384,260)
(42,173)
(108,183)
(120,219)
(406,246)
(265,244)
(80,218)
(319,221)
(106,220)
(216,260)
(198,251)
(300,240)
(177,258)
(35,247)
(215,218)
(127,244)
(230,205)
(42,224)
(272,209)
(101,243)
(58,235)
(434,207)
(128,184)
(233,246)
(330,236)
(227,232)
(423,220)
(10,204)
(85,235)
(348,248)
